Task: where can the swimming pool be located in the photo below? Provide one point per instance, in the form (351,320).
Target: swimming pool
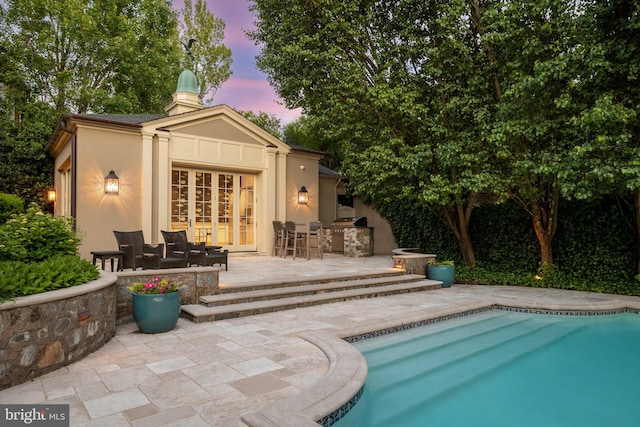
(502,368)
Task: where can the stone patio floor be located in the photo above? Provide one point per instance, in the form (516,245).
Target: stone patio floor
(209,374)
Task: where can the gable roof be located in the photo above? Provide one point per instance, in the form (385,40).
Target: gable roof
(323,170)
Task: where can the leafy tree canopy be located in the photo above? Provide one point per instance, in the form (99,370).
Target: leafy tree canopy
(100,56)
(444,103)
(211,58)
(266,121)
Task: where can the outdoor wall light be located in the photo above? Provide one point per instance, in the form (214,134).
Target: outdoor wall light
(303,196)
(399,262)
(51,195)
(111,183)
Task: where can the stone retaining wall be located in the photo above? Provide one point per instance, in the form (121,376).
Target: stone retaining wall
(43,332)
(194,282)
(412,262)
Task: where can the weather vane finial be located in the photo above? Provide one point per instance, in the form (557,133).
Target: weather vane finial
(187,48)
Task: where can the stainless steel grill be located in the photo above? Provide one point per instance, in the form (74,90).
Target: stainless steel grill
(337,230)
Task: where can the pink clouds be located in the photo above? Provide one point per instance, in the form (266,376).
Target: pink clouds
(255,95)
(247,88)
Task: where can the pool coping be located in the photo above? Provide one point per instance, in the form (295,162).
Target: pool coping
(334,395)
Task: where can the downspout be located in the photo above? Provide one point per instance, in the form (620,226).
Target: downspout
(74,165)
(335,206)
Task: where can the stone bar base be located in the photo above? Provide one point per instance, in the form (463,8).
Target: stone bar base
(358,242)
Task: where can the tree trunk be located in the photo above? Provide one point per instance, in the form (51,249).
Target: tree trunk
(544,239)
(457,216)
(545,223)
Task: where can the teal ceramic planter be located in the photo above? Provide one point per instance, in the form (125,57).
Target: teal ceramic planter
(442,273)
(156,313)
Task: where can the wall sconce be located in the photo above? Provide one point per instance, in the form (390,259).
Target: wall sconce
(303,196)
(111,183)
(51,195)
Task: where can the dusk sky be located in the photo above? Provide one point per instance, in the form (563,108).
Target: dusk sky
(247,88)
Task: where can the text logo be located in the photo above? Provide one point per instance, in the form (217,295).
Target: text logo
(34,415)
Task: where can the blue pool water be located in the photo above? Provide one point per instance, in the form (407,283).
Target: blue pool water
(500,368)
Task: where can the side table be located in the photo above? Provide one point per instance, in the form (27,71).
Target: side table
(109,255)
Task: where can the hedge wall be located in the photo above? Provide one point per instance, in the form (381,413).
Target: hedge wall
(595,243)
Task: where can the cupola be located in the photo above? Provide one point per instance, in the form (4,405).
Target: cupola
(185,98)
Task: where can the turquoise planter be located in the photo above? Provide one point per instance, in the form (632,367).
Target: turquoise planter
(156,313)
(443,273)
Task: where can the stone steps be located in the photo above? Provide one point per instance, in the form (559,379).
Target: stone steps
(244,295)
(249,300)
(302,281)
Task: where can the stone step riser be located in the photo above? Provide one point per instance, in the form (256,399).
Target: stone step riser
(296,291)
(299,282)
(230,314)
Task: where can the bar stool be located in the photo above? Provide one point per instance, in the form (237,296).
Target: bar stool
(292,237)
(278,238)
(314,231)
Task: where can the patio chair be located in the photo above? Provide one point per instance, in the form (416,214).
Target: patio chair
(278,238)
(179,248)
(208,255)
(292,237)
(135,249)
(314,232)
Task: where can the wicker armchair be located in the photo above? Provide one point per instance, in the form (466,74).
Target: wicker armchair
(195,253)
(179,247)
(135,249)
(208,255)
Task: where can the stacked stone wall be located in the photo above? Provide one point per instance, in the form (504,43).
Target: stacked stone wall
(358,242)
(43,332)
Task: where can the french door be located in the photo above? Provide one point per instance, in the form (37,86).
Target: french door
(217,208)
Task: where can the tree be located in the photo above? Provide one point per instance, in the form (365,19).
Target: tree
(608,158)
(403,87)
(79,56)
(211,61)
(268,122)
(25,169)
(541,60)
(308,132)
(104,55)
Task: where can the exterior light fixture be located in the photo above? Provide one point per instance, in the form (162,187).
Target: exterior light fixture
(399,262)
(303,196)
(51,195)
(111,183)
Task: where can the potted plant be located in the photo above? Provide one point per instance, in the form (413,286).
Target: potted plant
(156,305)
(443,271)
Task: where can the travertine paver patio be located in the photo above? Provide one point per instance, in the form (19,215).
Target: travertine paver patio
(210,374)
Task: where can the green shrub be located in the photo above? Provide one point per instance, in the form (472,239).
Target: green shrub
(19,278)
(417,227)
(35,236)
(594,247)
(10,204)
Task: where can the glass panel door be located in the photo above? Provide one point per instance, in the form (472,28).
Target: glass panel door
(246,211)
(223,216)
(225,209)
(179,200)
(203,207)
